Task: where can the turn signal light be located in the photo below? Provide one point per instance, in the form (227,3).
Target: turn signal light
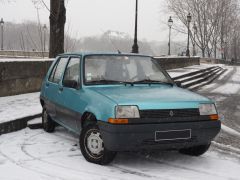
(118,121)
(214,117)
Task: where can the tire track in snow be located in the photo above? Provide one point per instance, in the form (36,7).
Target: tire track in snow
(118,168)
(19,164)
(126,171)
(151,159)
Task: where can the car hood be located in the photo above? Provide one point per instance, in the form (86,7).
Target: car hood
(152,97)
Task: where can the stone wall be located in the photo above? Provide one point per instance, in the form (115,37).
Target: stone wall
(20,77)
(215,61)
(23,54)
(178,62)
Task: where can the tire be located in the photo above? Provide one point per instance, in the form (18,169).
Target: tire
(94,153)
(196,150)
(47,123)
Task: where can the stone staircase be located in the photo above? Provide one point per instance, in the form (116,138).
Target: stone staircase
(200,78)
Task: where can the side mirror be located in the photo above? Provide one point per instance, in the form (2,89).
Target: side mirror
(178,83)
(70,84)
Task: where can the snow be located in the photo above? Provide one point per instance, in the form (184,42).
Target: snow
(34,154)
(230,131)
(232,85)
(34,121)
(180,71)
(19,106)
(23,59)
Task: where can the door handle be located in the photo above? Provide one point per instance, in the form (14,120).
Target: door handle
(61,89)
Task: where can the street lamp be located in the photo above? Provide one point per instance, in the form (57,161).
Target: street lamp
(2,23)
(194,39)
(189,18)
(44,37)
(170,23)
(135,45)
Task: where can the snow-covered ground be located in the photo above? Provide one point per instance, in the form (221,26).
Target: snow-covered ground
(34,154)
(19,106)
(231,86)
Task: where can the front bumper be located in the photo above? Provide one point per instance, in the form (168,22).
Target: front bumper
(134,137)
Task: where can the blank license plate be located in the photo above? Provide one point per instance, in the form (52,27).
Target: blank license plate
(172,135)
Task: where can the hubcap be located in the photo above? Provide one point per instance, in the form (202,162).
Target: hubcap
(95,143)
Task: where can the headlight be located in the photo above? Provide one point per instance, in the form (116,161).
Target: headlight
(127,112)
(207,109)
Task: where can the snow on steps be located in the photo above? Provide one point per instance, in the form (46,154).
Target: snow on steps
(198,79)
(35,123)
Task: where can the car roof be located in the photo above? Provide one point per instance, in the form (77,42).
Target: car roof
(101,53)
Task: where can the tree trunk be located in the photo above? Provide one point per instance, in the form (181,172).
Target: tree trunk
(203,52)
(57,22)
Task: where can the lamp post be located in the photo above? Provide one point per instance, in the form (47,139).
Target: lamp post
(170,23)
(135,45)
(44,37)
(2,23)
(194,39)
(189,18)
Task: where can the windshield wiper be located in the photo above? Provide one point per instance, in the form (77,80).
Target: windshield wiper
(149,81)
(109,81)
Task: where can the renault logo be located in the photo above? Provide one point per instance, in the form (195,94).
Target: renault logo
(171,113)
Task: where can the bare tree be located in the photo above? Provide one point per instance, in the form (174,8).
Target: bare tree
(213,18)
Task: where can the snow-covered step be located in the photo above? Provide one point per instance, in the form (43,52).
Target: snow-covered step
(201,79)
(35,123)
(204,83)
(199,75)
(194,73)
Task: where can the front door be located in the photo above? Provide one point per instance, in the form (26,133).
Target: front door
(52,87)
(70,97)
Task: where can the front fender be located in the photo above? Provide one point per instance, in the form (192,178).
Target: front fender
(99,105)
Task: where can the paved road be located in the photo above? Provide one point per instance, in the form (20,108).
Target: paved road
(226,92)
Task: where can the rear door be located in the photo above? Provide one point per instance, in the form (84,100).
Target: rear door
(52,87)
(70,97)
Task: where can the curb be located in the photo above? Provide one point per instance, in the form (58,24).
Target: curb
(17,124)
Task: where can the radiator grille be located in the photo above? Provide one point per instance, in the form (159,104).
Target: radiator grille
(166,113)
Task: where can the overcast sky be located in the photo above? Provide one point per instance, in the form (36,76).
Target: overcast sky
(92,17)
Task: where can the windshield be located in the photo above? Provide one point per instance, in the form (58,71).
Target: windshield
(109,69)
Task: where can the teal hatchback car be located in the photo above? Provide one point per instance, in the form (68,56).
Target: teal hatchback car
(124,102)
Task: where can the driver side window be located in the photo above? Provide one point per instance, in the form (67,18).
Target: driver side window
(72,72)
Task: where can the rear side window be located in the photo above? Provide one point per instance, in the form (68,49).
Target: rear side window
(58,70)
(73,70)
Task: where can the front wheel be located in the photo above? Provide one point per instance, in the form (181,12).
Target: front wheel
(196,150)
(92,146)
(47,123)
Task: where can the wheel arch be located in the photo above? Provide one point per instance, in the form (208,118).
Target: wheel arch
(87,118)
